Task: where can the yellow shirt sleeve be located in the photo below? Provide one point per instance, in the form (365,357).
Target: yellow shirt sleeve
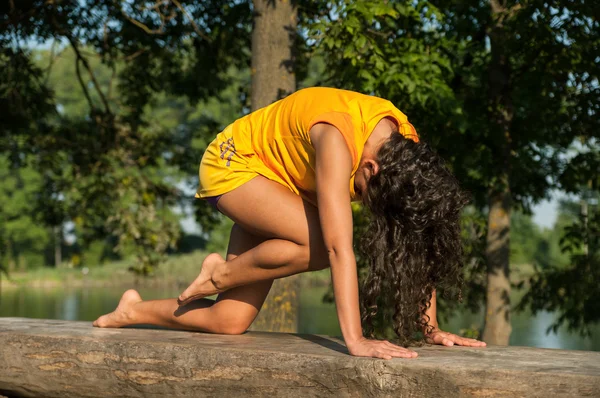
(404,126)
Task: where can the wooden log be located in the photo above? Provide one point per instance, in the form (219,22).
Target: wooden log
(51,358)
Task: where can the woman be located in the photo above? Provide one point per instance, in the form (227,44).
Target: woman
(286,175)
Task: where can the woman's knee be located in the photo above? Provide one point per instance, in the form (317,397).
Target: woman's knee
(312,258)
(234,325)
(234,328)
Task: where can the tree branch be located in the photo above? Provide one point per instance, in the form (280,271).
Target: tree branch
(53,57)
(164,18)
(497,8)
(189,17)
(110,82)
(144,27)
(82,84)
(134,55)
(90,72)
(501,12)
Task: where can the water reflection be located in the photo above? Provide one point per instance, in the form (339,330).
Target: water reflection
(528,330)
(70,307)
(314,317)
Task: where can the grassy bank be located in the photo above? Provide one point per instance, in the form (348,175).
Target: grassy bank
(178,270)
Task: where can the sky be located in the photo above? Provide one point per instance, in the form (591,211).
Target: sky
(544,213)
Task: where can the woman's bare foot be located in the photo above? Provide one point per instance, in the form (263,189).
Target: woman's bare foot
(123,315)
(203,286)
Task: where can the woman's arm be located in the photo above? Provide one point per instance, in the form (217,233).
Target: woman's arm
(333,170)
(431,313)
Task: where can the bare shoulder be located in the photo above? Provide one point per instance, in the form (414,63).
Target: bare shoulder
(330,146)
(320,130)
(324,134)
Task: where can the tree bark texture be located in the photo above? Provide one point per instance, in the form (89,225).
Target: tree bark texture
(53,358)
(497,316)
(273,78)
(273,39)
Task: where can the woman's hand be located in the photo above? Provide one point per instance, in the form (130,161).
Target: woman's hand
(379,349)
(438,336)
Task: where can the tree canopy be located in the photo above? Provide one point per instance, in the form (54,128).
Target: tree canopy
(108,106)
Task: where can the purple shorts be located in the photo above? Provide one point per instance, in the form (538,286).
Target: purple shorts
(213,200)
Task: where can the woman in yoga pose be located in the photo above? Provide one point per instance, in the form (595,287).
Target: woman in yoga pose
(286,175)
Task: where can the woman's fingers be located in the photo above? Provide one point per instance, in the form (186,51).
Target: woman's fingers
(464,341)
(389,354)
(400,349)
(387,350)
(379,349)
(383,355)
(408,353)
(469,342)
(403,354)
(443,338)
(449,339)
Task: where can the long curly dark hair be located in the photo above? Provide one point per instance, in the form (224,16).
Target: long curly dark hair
(412,243)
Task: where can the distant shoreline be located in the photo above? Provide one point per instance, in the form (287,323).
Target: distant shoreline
(178,271)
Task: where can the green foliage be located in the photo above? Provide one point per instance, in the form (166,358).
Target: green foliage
(530,63)
(104,127)
(177,270)
(384,48)
(116,114)
(572,290)
(532,246)
(96,253)
(22,238)
(525,238)
(502,90)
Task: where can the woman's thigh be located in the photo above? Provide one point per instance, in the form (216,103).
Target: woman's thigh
(270,210)
(262,210)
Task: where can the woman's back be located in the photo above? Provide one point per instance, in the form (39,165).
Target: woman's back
(276,139)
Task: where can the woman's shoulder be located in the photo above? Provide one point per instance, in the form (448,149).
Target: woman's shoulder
(335,99)
(320,93)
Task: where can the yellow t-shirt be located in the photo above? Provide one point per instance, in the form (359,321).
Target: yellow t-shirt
(274,141)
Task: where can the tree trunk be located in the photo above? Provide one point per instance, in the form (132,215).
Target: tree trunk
(57,246)
(273,78)
(497,316)
(584,215)
(273,39)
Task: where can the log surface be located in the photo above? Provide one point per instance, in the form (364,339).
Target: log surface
(72,359)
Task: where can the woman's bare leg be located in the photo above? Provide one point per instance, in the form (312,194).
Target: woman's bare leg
(293,242)
(286,240)
(232,312)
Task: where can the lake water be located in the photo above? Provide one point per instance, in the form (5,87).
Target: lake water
(314,316)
